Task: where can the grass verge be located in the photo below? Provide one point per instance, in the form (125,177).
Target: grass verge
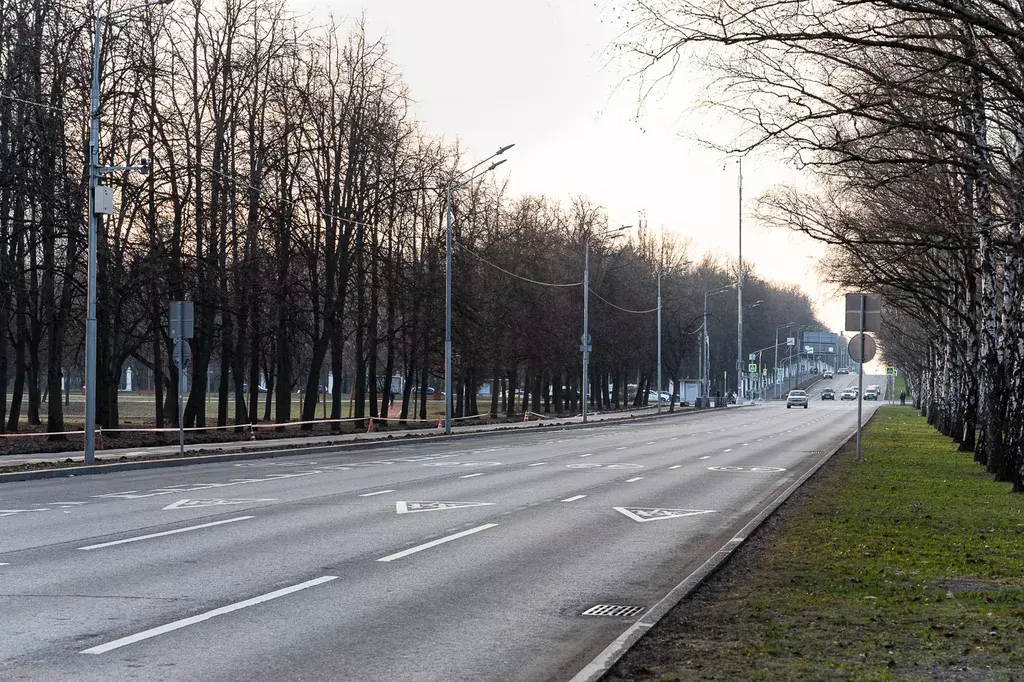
(906,567)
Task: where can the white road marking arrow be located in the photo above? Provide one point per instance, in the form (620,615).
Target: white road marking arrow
(197,504)
(645,514)
(413,507)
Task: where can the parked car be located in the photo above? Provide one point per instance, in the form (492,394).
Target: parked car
(828,374)
(797,398)
(828,394)
(848,394)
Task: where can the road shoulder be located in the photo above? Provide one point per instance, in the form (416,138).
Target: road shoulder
(906,567)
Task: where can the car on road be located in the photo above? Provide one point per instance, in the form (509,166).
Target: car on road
(844,370)
(828,394)
(797,398)
(828,374)
(870,394)
(848,394)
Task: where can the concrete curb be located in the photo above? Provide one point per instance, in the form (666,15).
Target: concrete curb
(603,662)
(337,448)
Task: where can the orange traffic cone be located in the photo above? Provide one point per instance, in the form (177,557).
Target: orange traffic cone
(526,416)
(369,428)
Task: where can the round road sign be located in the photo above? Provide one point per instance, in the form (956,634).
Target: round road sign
(869,348)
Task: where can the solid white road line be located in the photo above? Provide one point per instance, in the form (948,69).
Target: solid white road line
(166,532)
(435,543)
(635,478)
(574,498)
(379,492)
(538,464)
(185,622)
(470,475)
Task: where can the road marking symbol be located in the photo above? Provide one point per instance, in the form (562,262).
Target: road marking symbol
(753,470)
(675,466)
(379,492)
(538,464)
(403,507)
(634,479)
(706,457)
(435,543)
(622,448)
(199,504)
(462,464)
(589,454)
(164,533)
(470,475)
(574,498)
(12,512)
(645,514)
(192,620)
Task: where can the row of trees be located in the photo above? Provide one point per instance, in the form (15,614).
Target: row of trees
(297,202)
(909,117)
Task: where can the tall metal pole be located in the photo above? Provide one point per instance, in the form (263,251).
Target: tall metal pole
(90,323)
(659,340)
(448,317)
(179,348)
(706,379)
(739,298)
(860,370)
(586,328)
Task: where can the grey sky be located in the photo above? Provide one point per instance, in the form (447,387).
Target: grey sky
(535,72)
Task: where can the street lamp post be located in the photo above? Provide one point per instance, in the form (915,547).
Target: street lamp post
(95,173)
(706,353)
(739,296)
(774,371)
(585,345)
(453,186)
(659,339)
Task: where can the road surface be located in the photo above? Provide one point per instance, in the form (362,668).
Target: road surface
(424,561)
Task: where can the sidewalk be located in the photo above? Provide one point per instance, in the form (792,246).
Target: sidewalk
(329,439)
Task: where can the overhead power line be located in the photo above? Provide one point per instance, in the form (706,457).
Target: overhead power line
(512,274)
(625,310)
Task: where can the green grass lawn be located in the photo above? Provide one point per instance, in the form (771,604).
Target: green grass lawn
(907,567)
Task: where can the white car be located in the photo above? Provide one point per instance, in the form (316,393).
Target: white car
(870,394)
(828,374)
(848,394)
(797,398)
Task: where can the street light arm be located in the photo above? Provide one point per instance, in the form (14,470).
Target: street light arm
(131,8)
(472,168)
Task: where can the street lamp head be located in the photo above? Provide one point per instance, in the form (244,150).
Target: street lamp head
(496,164)
(500,151)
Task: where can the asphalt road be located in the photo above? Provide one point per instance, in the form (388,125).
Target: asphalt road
(349,567)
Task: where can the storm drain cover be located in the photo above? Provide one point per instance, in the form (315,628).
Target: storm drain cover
(614,611)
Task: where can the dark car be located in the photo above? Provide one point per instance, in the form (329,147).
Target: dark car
(828,394)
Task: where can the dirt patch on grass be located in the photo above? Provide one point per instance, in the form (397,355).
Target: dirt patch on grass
(903,568)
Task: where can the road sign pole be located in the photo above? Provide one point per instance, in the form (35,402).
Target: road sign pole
(180,350)
(860,371)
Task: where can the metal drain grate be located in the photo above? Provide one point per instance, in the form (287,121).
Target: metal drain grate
(614,611)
